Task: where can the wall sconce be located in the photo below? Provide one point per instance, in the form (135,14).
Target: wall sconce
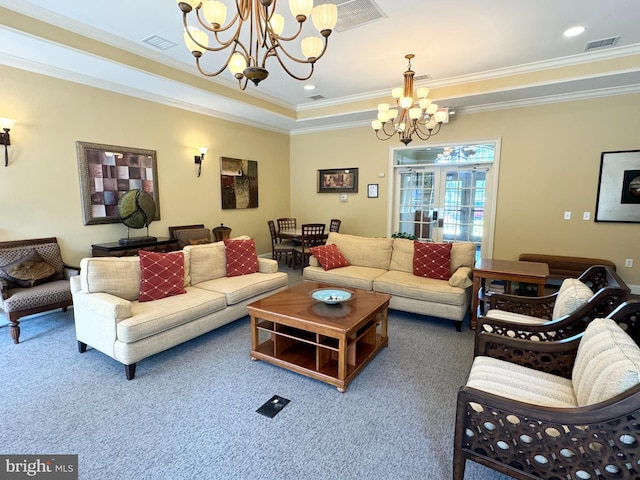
(199,158)
(6,124)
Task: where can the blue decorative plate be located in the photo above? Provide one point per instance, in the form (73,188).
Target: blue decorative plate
(331,295)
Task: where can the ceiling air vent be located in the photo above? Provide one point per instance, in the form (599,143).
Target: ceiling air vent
(597,44)
(317,97)
(158,42)
(419,78)
(353,13)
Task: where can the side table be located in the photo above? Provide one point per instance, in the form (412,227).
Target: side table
(508,270)
(114,249)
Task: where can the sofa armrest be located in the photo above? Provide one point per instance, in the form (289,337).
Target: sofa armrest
(462,277)
(267,265)
(103,305)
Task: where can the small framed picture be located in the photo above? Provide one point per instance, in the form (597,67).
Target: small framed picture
(372,190)
(343,180)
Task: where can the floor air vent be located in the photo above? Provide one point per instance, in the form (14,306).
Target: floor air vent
(353,13)
(597,44)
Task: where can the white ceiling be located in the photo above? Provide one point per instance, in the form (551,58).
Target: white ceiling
(453,41)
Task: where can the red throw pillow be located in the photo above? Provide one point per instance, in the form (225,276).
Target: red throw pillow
(161,275)
(329,256)
(242,258)
(432,260)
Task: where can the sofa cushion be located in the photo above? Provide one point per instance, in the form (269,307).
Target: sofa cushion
(607,363)
(373,252)
(329,256)
(463,254)
(572,295)
(199,241)
(521,384)
(119,276)
(352,276)
(240,288)
(402,255)
(403,284)
(29,270)
(432,260)
(242,258)
(207,261)
(462,277)
(161,275)
(150,318)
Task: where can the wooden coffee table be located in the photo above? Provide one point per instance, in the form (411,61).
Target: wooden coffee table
(331,343)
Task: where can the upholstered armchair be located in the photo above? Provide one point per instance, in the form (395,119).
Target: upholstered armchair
(595,294)
(33,279)
(565,409)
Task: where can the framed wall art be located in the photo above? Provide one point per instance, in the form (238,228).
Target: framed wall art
(107,172)
(338,180)
(372,190)
(238,183)
(619,187)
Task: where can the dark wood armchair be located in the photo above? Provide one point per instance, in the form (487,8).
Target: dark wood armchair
(37,293)
(609,291)
(585,424)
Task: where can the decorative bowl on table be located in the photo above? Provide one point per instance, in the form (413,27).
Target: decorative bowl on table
(331,296)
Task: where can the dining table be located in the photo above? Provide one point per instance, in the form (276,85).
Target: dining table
(293,234)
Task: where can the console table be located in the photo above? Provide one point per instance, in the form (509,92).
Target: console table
(114,249)
(508,270)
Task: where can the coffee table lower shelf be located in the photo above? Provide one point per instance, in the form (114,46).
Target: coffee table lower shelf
(319,356)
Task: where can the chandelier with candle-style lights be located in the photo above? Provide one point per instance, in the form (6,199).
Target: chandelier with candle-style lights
(254,34)
(422,118)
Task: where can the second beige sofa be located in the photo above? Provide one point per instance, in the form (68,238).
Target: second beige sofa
(386,265)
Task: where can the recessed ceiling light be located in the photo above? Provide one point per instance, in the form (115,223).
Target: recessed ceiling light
(573,31)
(309,87)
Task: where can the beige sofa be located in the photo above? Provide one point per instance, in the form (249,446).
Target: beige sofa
(109,317)
(386,265)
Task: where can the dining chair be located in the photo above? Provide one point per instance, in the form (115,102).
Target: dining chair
(286,223)
(280,248)
(312,236)
(334,226)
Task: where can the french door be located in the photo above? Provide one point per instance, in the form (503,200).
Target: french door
(442,203)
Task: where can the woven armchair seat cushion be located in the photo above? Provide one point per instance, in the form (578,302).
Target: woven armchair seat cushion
(513,317)
(37,296)
(607,363)
(50,252)
(520,383)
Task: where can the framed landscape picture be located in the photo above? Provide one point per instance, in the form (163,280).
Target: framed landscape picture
(107,172)
(619,187)
(338,180)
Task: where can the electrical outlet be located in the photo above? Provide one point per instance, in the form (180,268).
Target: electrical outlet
(567,215)
(586,216)
(628,262)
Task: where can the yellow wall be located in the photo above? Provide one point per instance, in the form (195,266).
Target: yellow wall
(40,190)
(550,163)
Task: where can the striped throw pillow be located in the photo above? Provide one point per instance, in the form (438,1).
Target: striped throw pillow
(607,363)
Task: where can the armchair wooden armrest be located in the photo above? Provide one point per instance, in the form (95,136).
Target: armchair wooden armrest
(556,357)
(540,307)
(599,305)
(506,435)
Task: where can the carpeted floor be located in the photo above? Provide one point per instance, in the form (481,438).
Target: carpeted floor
(191,411)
